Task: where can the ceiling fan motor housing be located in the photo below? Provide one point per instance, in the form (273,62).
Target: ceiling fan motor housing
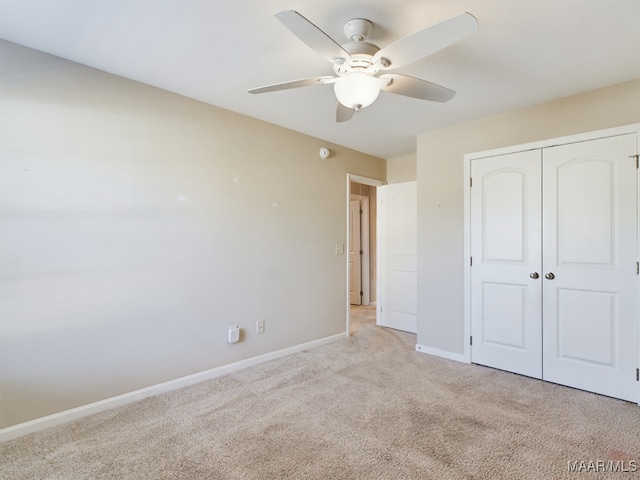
(358,29)
(361,54)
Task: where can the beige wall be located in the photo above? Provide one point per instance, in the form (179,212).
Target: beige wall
(402,169)
(441,184)
(136,225)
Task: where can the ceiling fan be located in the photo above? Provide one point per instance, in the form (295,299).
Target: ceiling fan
(361,68)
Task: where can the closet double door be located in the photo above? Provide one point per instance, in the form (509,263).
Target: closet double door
(553,275)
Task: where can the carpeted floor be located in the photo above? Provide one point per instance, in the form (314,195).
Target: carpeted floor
(367,407)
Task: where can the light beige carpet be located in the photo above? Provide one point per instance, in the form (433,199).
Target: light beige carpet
(367,407)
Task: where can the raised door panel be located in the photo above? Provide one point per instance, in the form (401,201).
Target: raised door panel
(398,244)
(589,254)
(505,248)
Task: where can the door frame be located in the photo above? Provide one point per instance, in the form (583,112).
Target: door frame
(581,137)
(372,182)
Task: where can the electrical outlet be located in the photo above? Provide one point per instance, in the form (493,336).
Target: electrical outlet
(234,334)
(260,326)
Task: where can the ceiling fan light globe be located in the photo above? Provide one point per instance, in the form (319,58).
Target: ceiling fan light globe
(357,90)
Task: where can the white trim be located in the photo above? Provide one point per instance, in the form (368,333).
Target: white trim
(380,239)
(458,357)
(638,259)
(66,416)
(365,180)
(467,257)
(552,142)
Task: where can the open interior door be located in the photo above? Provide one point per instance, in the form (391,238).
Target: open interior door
(397,256)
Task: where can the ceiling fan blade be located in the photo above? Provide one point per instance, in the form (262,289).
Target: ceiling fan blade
(424,42)
(343,113)
(416,88)
(305,82)
(315,38)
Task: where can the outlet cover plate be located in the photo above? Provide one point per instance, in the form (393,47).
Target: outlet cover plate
(234,334)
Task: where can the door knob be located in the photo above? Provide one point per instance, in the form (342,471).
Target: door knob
(549,276)
(534,275)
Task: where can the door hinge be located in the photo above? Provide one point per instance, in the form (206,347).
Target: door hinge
(637,157)
(471,340)
(637,268)
(471,261)
(361,293)
(361,211)
(470,182)
(361,252)
(637,374)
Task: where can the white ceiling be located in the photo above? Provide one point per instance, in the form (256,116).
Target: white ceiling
(525,52)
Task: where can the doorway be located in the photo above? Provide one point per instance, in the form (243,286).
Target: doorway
(361,247)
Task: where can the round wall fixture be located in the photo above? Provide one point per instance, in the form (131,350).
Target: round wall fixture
(324,153)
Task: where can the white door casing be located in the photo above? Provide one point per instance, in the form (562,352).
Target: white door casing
(505,250)
(589,215)
(397,256)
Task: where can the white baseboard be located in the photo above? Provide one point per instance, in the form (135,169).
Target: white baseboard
(66,416)
(458,357)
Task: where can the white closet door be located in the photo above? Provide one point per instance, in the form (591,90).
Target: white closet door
(397,260)
(505,247)
(589,214)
